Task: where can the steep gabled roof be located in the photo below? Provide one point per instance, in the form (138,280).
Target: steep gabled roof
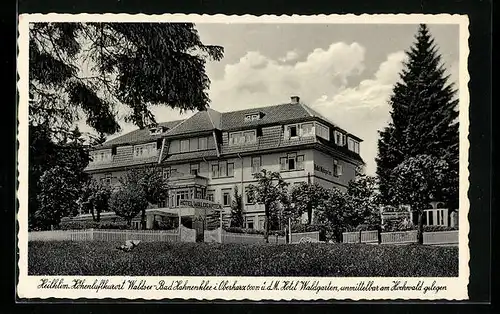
(138,136)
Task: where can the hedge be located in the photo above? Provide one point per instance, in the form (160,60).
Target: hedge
(77,225)
(214,259)
(252,231)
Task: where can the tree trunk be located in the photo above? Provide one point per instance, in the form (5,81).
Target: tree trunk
(93,214)
(266,224)
(420,233)
(98,218)
(143,219)
(309,215)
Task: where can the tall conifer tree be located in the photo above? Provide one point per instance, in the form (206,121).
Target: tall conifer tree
(424,118)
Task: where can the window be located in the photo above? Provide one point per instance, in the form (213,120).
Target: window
(194,169)
(181,195)
(292,162)
(250,197)
(307,129)
(223,169)
(353,145)
(262,221)
(166,173)
(202,143)
(337,168)
(250,137)
(145,150)
(249,221)
(292,131)
(193,144)
(103,156)
(240,138)
(107,179)
(252,117)
(226,197)
(322,131)
(339,138)
(230,169)
(175,147)
(210,196)
(256,164)
(215,171)
(184,146)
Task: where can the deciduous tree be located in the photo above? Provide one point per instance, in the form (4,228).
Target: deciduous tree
(270,191)
(128,201)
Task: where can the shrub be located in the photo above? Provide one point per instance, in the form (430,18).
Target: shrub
(253,231)
(95,258)
(77,225)
(438,228)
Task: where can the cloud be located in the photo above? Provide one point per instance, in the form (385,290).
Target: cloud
(256,80)
(290,56)
(364,109)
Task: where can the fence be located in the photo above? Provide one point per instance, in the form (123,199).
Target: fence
(305,236)
(441,238)
(228,237)
(186,235)
(366,237)
(399,237)
(402,237)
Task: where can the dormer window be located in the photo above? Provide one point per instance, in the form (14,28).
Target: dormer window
(339,138)
(156,130)
(241,138)
(252,116)
(101,156)
(353,145)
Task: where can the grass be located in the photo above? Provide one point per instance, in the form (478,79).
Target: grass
(204,259)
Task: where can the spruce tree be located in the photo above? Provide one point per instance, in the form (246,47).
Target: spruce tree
(424,112)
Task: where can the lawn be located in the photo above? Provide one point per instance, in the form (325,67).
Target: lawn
(203,259)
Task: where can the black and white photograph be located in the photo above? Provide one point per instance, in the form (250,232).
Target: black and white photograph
(237,157)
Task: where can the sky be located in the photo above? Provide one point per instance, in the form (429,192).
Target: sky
(344,71)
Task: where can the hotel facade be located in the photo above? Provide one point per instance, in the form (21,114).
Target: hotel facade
(211,153)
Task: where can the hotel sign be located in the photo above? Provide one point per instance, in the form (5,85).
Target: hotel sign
(322,169)
(197,203)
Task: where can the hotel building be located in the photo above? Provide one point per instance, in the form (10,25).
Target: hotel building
(209,154)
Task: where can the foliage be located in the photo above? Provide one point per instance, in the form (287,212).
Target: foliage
(270,191)
(94,198)
(236,209)
(85,70)
(194,259)
(56,177)
(419,180)
(151,180)
(128,201)
(122,59)
(252,231)
(424,119)
(308,198)
(364,201)
(82,224)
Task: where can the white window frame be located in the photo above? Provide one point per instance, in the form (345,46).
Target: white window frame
(256,169)
(249,197)
(145,150)
(224,192)
(312,129)
(202,140)
(353,145)
(339,141)
(181,148)
(294,157)
(337,168)
(194,166)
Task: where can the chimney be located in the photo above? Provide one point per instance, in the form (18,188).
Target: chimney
(295,99)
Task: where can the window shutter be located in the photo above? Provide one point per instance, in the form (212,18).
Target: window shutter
(283,161)
(340,169)
(286,133)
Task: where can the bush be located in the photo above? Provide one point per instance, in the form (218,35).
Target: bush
(90,224)
(438,228)
(253,231)
(93,258)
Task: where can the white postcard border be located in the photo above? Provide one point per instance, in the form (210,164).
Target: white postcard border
(28,286)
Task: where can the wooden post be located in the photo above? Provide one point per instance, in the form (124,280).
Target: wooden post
(179,213)
(360,235)
(290,232)
(220,227)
